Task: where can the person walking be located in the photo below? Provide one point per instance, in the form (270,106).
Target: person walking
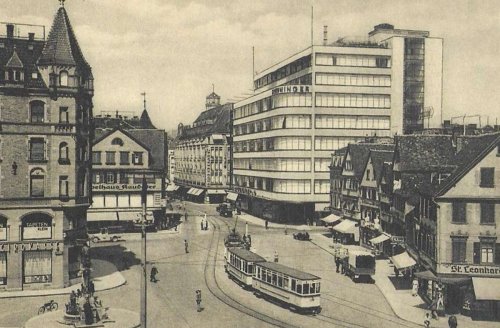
(452,322)
(91,288)
(186,246)
(337,264)
(276,256)
(198,300)
(185,216)
(201,224)
(152,275)
(267,224)
(206,224)
(427,320)
(414,288)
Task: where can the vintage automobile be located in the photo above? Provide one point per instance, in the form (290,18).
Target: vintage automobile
(225,209)
(105,234)
(301,235)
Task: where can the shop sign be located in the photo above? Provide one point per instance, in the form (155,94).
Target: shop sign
(37,230)
(473,270)
(120,187)
(398,240)
(245,191)
(291,89)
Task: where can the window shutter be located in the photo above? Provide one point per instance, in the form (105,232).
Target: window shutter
(477,253)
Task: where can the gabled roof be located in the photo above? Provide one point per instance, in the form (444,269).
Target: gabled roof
(61,47)
(379,158)
(475,149)
(423,152)
(14,61)
(100,135)
(359,155)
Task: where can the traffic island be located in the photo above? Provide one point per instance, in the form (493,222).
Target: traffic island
(112,318)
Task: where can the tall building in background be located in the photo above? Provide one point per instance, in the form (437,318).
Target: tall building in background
(46,90)
(202,153)
(320,100)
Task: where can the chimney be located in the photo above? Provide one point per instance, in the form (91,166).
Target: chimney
(31,36)
(325,34)
(10,31)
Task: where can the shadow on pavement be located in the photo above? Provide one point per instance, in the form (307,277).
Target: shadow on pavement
(119,256)
(400,283)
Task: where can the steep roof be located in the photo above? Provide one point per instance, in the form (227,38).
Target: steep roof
(146,121)
(475,148)
(379,157)
(22,53)
(359,155)
(61,47)
(14,61)
(214,120)
(424,152)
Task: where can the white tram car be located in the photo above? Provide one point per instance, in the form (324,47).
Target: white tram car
(240,265)
(298,290)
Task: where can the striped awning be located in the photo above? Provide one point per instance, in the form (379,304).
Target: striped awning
(232,196)
(101,216)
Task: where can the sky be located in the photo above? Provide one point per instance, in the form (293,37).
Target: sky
(176,50)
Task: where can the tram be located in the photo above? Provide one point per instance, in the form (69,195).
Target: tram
(240,265)
(298,290)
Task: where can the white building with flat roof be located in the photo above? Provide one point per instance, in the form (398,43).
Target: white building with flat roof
(322,99)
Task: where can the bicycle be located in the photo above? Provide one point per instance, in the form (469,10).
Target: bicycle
(49,306)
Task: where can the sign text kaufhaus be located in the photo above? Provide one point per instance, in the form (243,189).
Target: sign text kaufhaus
(120,187)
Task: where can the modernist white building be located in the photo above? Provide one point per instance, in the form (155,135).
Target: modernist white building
(322,99)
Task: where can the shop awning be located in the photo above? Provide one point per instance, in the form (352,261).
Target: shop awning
(134,216)
(216,191)
(232,196)
(101,216)
(379,239)
(486,289)
(190,191)
(402,261)
(172,187)
(331,218)
(429,275)
(197,191)
(217,137)
(346,226)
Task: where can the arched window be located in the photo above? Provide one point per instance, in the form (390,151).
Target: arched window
(37,111)
(117,141)
(37,183)
(63,79)
(63,153)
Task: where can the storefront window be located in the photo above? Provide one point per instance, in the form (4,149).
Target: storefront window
(37,267)
(37,226)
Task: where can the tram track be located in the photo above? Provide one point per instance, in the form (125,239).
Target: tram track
(215,289)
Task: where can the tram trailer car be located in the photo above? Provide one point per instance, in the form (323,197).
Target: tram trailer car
(240,265)
(298,290)
(360,265)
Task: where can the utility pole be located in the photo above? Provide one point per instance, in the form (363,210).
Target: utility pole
(144,307)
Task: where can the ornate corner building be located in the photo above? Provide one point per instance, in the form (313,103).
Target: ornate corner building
(46,90)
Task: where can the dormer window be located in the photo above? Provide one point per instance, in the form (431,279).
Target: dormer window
(63,79)
(34,76)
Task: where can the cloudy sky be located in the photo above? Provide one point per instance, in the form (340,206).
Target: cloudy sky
(175,49)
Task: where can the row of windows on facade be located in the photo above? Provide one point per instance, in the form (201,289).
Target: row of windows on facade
(324,59)
(36,266)
(487,213)
(344,100)
(38,184)
(122,177)
(282,164)
(486,251)
(293,143)
(37,151)
(295,186)
(322,122)
(37,113)
(111,157)
(18,75)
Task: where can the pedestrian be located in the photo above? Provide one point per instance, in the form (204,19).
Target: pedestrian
(91,288)
(427,320)
(267,224)
(337,264)
(452,322)
(276,256)
(186,246)
(249,240)
(286,230)
(342,267)
(396,272)
(152,275)
(201,224)
(206,224)
(198,300)
(185,217)
(414,289)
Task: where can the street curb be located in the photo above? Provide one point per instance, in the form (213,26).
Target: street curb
(66,291)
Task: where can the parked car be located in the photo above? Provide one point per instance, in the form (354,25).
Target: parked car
(301,235)
(104,235)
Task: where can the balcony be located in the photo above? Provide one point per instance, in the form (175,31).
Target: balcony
(64,128)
